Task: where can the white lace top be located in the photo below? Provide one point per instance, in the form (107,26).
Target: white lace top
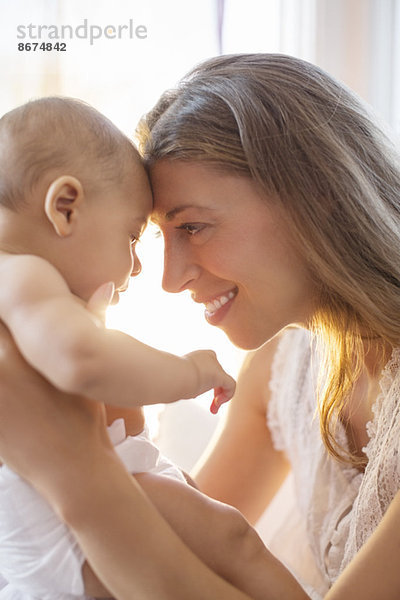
(340,505)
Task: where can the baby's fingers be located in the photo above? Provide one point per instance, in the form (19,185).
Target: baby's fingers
(100,300)
(221,395)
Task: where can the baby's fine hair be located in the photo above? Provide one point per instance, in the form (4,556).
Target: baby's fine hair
(54,136)
(313,148)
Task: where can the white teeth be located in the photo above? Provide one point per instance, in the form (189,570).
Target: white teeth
(212,307)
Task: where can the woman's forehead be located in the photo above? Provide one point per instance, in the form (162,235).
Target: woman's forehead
(197,191)
(191,182)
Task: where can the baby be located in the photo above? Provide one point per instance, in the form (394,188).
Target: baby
(74,200)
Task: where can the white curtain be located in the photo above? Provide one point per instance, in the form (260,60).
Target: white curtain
(357,41)
(286,26)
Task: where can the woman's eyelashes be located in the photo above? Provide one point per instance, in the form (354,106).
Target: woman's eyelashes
(191,228)
(187,229)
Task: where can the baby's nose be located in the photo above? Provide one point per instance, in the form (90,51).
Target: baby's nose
(137,267)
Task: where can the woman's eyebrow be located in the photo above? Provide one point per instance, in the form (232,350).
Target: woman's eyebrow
(175,211)
(157,217)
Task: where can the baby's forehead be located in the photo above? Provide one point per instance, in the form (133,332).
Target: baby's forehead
(135,185)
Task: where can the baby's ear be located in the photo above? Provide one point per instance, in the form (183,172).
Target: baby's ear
(62,202)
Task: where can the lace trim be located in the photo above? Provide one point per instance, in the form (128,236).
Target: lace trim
(367,495)
(387,377)
(381,479)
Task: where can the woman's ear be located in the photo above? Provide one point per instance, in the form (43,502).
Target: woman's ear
(62,203)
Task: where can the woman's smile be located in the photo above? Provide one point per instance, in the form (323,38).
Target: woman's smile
(217,307)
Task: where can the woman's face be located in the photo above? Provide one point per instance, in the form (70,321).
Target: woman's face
(227,244)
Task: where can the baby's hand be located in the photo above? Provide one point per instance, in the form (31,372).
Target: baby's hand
(100,301)
(210,374)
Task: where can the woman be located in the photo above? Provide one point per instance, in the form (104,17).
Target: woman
(279,205)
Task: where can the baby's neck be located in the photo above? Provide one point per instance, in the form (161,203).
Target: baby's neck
(19,232)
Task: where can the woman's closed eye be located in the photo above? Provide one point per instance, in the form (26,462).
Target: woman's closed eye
(191,228)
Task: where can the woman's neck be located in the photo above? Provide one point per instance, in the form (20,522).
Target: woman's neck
(358,409)
(376,355)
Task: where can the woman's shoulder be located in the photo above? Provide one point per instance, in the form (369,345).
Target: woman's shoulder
(292,357)
(292,393)
(298,336)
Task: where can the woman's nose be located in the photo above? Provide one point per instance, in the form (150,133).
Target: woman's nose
(180,271)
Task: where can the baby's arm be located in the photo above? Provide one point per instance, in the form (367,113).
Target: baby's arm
(65,343)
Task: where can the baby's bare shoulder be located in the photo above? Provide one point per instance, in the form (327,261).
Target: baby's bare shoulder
(28,278)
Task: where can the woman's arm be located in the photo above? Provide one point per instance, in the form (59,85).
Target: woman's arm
(140,554)
(243,468)
(374,572)
(228,545)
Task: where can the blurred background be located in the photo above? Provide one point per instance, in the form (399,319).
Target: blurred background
(357,41)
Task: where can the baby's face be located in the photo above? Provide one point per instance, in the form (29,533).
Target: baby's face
(111,224)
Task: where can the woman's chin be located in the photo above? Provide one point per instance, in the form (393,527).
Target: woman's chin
(246,339)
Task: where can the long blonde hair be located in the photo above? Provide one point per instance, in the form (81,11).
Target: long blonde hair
(311,145)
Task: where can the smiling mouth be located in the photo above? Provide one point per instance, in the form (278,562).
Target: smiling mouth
(215,305)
